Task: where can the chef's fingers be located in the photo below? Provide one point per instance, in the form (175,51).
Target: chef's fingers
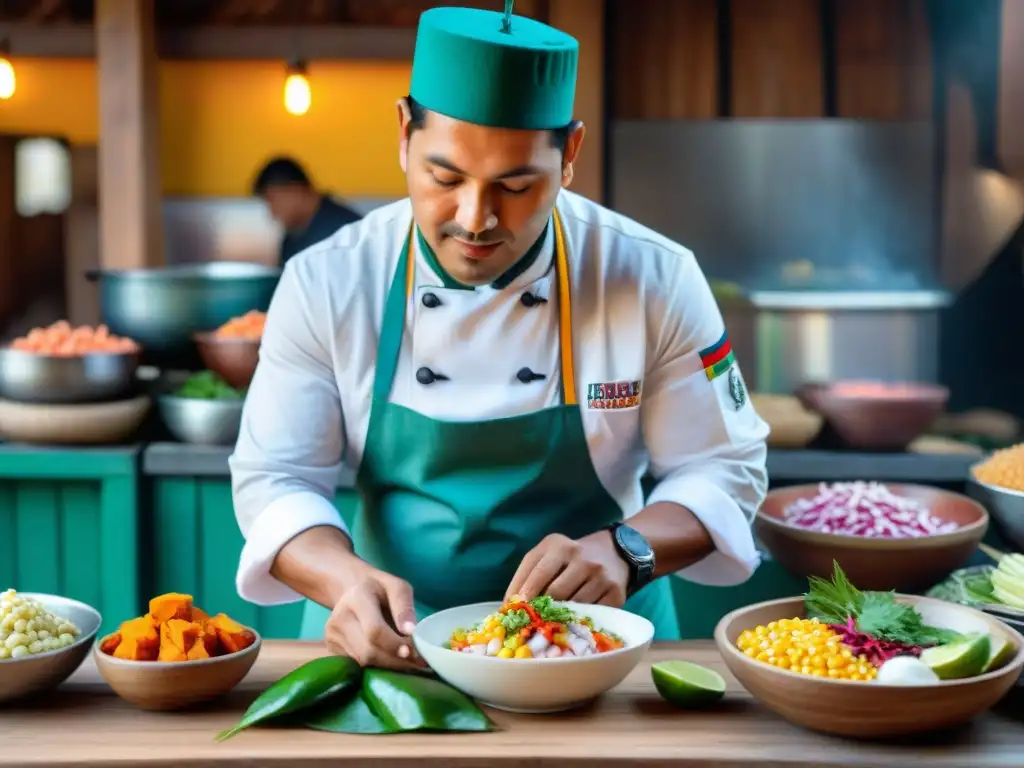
(551,564)
(400,603)
(525,568)
(575,576)
(590,592)
(381,645)
(613,596)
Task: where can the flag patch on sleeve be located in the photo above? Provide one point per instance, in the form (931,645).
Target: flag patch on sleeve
(718,358)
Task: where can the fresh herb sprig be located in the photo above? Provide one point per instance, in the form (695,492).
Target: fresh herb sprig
(875,613)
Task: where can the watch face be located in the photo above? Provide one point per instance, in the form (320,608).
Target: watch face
(635,544)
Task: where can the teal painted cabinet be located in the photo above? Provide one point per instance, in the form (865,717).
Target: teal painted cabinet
(196,545)
(69,525)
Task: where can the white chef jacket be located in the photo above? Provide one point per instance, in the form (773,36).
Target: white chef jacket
(642,311)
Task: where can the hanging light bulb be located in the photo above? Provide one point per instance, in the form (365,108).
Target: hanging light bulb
(8,82)
(297,97)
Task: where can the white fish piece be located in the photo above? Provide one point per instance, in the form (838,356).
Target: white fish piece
(494,646)
(537,644)
(567,653)
(480,649)
(580,646)
(553,652)
(582,630)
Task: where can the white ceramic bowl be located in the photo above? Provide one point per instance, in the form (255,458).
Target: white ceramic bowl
(31,675)
(533,685)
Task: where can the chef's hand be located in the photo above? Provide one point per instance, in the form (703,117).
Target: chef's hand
(372,622)
(588,570)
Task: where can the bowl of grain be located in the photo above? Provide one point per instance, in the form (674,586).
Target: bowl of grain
(997,482)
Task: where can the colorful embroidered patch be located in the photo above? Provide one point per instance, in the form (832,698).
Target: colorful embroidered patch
(718,358)
(613,395)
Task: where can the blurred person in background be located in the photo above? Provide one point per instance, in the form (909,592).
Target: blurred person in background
(307,215)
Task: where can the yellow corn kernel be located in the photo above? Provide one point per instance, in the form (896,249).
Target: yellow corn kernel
(499,633)
(561,638)
(523,652)
(473,638)
(459,636)
(514,642)
(505,653)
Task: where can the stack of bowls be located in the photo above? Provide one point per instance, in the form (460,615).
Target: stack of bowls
(89,398)
(876,563)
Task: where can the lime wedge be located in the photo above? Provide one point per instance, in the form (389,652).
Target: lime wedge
(955,661)
(1000,653)
(686,684)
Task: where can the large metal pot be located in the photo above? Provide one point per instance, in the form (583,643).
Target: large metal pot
(162,308)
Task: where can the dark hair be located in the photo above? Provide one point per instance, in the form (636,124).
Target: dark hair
(418,116)
(279,172)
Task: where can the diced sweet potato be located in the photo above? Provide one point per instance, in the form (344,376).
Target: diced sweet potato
(171,606)
(177,638)
(232,636)
(198,651)
(110,643)
(140,640)
(199,615)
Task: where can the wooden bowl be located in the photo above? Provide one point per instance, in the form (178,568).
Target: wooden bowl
(166,685)
(792,425)
(905,565)
(878,421)
(233,359)
(869,710)
(93,423)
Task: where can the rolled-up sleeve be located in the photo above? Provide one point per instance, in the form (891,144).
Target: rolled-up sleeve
(285,466)
(707,444)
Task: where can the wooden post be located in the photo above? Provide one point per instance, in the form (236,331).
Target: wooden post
(584,20)
(131,219)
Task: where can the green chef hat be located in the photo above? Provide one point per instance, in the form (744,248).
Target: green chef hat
(494,69)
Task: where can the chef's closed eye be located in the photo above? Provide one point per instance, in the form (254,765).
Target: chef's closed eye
(447,180)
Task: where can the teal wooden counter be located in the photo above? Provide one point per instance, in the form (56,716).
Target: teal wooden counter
(69,525)
(198,542)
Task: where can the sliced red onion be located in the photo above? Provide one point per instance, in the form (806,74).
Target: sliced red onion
(864,509)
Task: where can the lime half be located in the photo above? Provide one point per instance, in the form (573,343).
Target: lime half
(955,661)
(686,684)
(1000,653)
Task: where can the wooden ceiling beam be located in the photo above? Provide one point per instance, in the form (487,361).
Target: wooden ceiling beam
(314,43)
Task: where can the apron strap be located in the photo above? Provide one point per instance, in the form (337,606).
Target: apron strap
(393,324)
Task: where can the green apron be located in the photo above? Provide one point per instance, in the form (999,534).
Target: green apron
(453,507)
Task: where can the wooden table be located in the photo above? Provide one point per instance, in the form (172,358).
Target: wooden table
(84,724)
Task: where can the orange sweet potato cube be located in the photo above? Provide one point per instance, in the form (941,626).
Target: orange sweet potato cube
(171,606)
(110,643)
(198,651)
(140,640)
(232,636)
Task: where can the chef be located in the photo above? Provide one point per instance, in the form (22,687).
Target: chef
(501,361)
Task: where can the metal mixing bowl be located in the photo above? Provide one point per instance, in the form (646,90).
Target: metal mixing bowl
(162,308)
(201,422)
(27,377)
(1005,507)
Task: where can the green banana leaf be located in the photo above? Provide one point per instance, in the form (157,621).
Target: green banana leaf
(334,694)
(968,586)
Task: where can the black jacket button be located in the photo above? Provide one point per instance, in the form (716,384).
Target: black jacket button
(425,376)
(430,300)
(530,300)
(525,375)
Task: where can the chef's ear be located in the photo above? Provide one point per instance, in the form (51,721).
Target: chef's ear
(404,119)
(572,149)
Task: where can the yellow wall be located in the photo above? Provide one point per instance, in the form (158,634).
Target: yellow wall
(221,120)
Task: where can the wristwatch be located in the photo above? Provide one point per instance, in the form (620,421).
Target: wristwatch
(637,553)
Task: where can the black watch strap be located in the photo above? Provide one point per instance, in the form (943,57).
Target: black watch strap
(638,554)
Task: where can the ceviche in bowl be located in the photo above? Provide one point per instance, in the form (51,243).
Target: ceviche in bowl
(533,656)
(534,629)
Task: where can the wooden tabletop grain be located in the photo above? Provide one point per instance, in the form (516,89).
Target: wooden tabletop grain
(84,724)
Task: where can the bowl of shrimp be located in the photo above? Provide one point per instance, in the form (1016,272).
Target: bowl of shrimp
(534,656)
(65,365)
(233,349)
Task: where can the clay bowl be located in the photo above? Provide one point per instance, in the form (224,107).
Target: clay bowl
(792,424)
(93,423)
(165,685)
(869,710)
(905,565)
(871,416)
(233,359)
